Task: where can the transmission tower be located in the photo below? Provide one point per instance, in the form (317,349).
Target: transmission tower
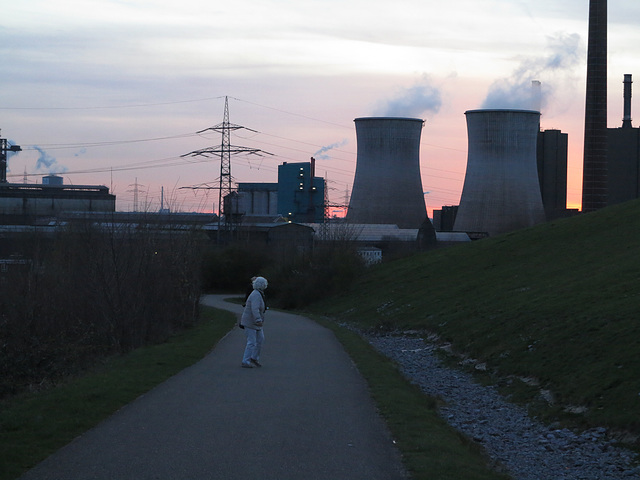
(136,189)
(224,151)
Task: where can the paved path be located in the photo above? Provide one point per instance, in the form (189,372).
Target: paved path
(306,414)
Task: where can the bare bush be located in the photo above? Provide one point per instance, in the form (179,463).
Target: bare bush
(90,291)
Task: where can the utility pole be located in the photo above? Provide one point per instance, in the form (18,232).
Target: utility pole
(4,148)
(224,151)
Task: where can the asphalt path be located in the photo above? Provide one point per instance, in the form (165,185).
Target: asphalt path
(306,414)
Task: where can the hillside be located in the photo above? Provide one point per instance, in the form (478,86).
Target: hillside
(555,306)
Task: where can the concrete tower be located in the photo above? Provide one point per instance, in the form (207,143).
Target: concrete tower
(501,191)
(626,97)
(387,187)
(594,179)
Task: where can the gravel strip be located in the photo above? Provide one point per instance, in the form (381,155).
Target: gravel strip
(527,449)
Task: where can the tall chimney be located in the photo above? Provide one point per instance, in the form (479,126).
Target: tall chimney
(626,118)
(536,95)
(594,177)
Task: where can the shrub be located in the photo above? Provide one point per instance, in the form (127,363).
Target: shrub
(90,291)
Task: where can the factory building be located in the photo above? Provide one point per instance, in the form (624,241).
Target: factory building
(551,155)
(253,199)
(623,155)
(297,197)
(300,192)
(27,203)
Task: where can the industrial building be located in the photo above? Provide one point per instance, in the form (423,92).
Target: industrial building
(299,196)
(552,151)
(22,203)
(300,193)
(623,154)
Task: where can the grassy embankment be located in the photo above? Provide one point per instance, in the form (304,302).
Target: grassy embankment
(551,308)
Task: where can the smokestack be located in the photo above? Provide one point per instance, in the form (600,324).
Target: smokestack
(594,179)
(501,192)
(626,118)
(536,95)
(387,187)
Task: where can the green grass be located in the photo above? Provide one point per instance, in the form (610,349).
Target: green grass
(431,450)
(558,302)
(33,426)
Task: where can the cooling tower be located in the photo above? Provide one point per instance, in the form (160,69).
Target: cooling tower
(387,187)
(501,191)
(594,176)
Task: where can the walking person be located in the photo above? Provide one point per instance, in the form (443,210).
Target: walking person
(252,320)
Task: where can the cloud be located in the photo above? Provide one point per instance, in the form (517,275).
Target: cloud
(554,70)
(320,154)
(414,101)
(47,162)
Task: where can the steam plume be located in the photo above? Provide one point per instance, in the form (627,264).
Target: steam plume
(553,70)
(413,101)
(48,163)
(321,154)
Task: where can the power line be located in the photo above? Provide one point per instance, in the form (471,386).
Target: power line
(113,107)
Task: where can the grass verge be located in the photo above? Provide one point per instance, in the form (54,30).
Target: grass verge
(430,448)
(33,426)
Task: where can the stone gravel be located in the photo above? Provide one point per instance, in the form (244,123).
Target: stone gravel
(523,447)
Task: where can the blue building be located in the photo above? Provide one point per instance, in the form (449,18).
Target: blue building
(300,192)
(298,196)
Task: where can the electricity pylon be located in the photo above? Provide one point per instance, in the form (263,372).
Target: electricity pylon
(224,151)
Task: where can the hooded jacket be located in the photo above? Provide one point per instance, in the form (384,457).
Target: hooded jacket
(253,313)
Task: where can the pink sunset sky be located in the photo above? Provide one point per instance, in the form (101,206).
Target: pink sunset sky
(112,92)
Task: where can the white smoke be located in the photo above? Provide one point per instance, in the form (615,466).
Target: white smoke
(555,71)
(48,163)
(321,154)
(421,98)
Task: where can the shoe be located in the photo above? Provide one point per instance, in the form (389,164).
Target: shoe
(247,365)
(256,363)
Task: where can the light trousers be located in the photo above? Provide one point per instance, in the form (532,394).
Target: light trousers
(255,339)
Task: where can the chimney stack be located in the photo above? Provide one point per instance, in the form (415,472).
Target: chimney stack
(594,177)
(536,95)
(626,119)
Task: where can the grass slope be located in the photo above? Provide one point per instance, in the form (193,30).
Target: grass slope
(557,303)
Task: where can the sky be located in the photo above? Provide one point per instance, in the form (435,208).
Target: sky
(112,92)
